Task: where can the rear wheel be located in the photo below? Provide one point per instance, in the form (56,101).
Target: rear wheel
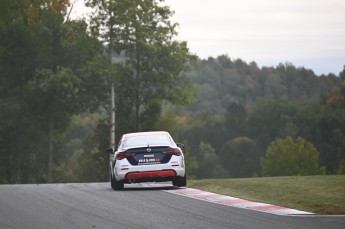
(112,182)
(180,181)
(117,185)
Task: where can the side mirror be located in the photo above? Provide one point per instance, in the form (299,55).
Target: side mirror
(109,151)
(180,145)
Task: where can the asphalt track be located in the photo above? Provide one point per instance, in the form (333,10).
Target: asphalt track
(96,205)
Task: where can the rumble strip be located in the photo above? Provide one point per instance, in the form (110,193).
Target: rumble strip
(236,202)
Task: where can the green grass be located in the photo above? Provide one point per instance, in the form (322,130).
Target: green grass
(317,194)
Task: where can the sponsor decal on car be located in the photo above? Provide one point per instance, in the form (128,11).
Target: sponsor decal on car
(148,161)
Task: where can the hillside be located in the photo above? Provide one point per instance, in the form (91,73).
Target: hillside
(239,109)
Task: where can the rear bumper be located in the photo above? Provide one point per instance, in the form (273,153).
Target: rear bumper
(150,174)
(124,171)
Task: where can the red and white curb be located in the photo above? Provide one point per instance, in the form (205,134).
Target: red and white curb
(236,202)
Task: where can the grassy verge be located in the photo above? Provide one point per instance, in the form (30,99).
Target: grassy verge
(317,194)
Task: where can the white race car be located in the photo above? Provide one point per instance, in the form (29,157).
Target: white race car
(147,157)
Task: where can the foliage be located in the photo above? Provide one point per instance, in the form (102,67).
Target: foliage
(286,157)
(55,73)
(235,99)
(153,59)
(146,79)
(240,157)
(341,167)
(44,79)
(209,163)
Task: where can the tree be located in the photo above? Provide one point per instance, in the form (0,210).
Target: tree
(240,157)
(44,81)
(54,96)
(62,80)
(268,119)
(342,73)
(209,164)
(154,59)
(17,65)
(235,120)
(286,157)
(341,167)
(332,129)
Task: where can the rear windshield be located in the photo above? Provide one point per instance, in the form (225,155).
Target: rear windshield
(146,140)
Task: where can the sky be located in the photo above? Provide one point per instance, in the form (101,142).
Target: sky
(306,33)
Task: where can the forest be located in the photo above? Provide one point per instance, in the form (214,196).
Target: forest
(235,119)
(240,109)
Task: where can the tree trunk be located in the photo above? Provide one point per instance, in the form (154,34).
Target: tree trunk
(8,169)
(137,89)
(50,142)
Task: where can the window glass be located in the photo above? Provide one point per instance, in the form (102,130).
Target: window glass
(146,140)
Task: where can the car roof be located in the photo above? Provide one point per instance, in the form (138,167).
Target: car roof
(149,133)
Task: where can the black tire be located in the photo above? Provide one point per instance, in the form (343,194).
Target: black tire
(180,181)
(117,185)
(112,182)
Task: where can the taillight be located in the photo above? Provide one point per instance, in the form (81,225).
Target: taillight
(175,152)
(121,156)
